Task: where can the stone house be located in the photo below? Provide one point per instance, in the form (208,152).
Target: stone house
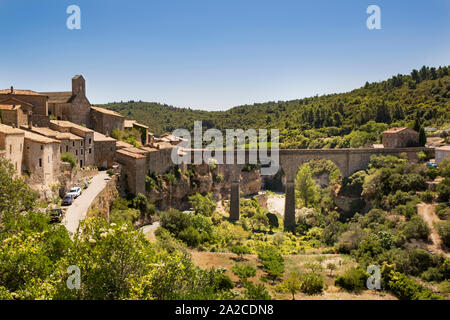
(85,153)
(105,121)
(71,105)
(143,129)
(11,143)
(41,159)
(400,138)
(69,142)
(105,150)
(38,101)
(134,169)
(15,113)
(442,153)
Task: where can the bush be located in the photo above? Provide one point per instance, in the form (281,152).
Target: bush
(272,261)
(427,196)
(222,282)
(69,158)
(311,284)
(191,236)
(258,292)
(240,251)
(203,205)
(432,274)
(444,231)
(244,271)
(175,221)
(443,190)
(444,286)
(417,228)
(110,172)
(442,210)
(353,280)
(406,289)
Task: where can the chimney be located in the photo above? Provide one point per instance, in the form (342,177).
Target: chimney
(12,90)
(30,121)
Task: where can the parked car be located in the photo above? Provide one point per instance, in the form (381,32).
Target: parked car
(432,164)
(75,192)
(67,200)
(56,215)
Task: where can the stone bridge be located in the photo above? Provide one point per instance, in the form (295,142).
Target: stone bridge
(290,160)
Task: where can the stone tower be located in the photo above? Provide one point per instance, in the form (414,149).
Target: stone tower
(78,86)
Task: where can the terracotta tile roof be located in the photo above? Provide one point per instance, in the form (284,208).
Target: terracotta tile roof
(12,100)
(68,124)
(443,148)
(9,107)
(130,154)
(39,138)
(129,123)
(396,130)
(107,111)
(101,137)
(9,130)
(47,132)
(21,92)
(59,97)
(122,144)
(135,150)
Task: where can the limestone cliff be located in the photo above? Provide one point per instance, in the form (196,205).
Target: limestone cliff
(202,179)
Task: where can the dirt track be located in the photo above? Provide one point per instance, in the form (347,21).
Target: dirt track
(428,214)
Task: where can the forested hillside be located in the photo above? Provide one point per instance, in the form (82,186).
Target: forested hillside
(321,121)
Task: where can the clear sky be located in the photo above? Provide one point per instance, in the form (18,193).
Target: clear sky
(216,54)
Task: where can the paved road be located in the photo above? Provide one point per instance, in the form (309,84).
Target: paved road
(149,230)
(78,210)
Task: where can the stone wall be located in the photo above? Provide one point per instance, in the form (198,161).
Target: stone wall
(105,123)
(13,146)
(105,153)
(70,177)
(102,203)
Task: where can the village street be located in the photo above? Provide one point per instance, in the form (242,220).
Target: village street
(78,210)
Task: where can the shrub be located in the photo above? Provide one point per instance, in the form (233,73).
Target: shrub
(353,280)
(110,172)
(203,205)
(175,221)
(272,261)
(258,292)
(191,236)
(442,210)
(432,274)
(244,271)
(222,282)
(406,289)
(240,251)
(427,196)
(311,284)
(443,190)
(417,228)
(444,231)
(69,158)
(444,286)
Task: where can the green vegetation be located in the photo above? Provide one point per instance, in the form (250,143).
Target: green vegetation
(352,119)
(69,158)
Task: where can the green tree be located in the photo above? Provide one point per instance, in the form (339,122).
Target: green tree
(203,205)
(292,284)
(306,186)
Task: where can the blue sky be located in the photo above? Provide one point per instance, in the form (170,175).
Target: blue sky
(216,54)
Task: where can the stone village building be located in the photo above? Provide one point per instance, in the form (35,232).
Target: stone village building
(400,138)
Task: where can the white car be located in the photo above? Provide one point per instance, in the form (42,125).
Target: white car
(75,192)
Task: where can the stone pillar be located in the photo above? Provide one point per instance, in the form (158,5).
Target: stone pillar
(289,205)
(235,175)
(234,201)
